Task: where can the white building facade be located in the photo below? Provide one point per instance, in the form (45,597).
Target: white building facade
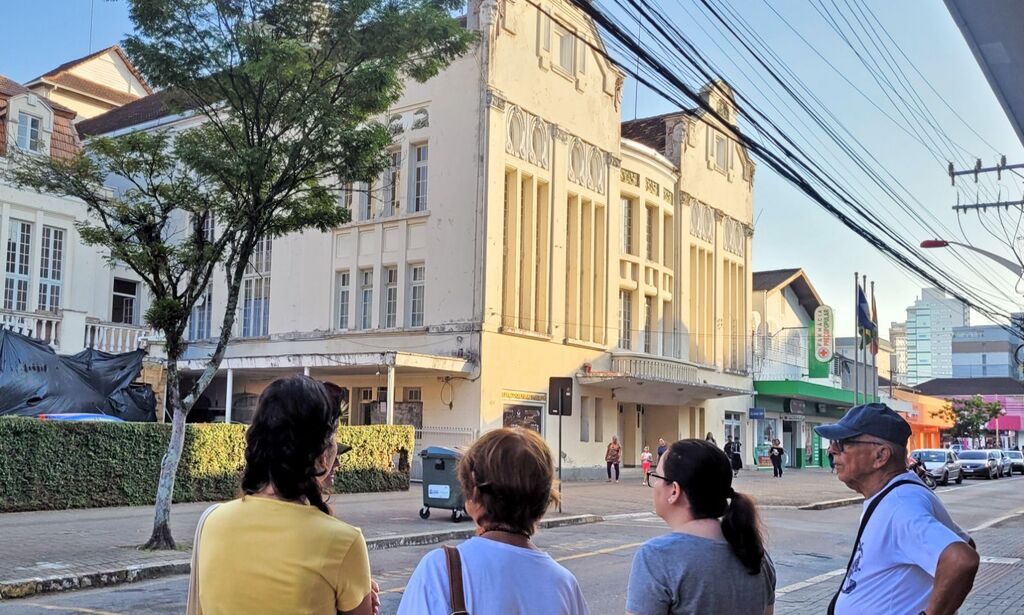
(930,324)
(521,234)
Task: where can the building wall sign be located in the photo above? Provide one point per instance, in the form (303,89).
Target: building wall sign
(756,413)
(796,406)
(824,340)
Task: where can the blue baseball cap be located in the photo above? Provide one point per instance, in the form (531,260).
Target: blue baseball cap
(876,420)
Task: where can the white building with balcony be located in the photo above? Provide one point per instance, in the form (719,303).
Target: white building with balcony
(55,288)
(522,233)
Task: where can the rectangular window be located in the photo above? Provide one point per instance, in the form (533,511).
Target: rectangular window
(390,182)
(202,313)
(365,298)
(416,295)
(125,302)
(650,233)
(598,420)
(390,319)
(648,323)
(51,269)
(366,204)
(721,153)
(344,281)
(625,319)
(419,191)
(209,227)
(256,291)
(412,394)
(584,419)
(348,197)
(28,133)
(19,252)
(627,226)
(566,47)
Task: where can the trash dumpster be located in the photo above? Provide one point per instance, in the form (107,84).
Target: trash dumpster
(441,488)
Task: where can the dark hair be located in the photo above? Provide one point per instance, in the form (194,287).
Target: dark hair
(509,473)
(294,423)
(704,473)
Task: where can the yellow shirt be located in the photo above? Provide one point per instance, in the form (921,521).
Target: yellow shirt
(260,555)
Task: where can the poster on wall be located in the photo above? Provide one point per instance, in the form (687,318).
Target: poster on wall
(521,415)
(823,344)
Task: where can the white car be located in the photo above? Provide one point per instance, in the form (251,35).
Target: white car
(941,463)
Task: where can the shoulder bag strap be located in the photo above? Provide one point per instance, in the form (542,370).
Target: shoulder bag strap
(456,593)
(863,523)
(192,606)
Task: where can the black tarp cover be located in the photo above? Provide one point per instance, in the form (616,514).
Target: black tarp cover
(35,380)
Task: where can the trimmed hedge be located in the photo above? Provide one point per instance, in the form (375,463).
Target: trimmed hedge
(47,465)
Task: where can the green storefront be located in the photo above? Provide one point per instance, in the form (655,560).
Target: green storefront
(792,408)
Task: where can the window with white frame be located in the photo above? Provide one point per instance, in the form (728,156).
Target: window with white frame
(390,182)
(19,254)
(256,291)
(125,304)
(648,323)
(565,45)
(366,205)
(202,314)
(389,319)
(650,233)
(51,269)
(625,319)
(365,298)
(721,153)
(627,226)
(344,282)
(412,394)
(28,133)
(209,227)
(348,197)
(417,277)
(420,156)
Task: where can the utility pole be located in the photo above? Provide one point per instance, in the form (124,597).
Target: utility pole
(978,169)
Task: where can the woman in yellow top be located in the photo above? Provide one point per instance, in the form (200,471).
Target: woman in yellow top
(278,548)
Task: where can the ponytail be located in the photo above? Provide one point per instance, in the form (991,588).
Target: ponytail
(741,527)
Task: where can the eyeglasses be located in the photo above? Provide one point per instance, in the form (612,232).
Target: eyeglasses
(839,445)
(656,475)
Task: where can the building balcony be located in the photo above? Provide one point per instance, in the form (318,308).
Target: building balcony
(662,380)
(70,331)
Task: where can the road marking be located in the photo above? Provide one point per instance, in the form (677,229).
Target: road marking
(566,558)
(992,522)
(74,609)
(988,559)
(811,581)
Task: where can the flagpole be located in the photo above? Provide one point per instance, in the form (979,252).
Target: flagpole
(864,286)
(856,330)
(874,345)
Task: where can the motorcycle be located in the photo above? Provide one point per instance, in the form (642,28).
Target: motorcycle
(918,468)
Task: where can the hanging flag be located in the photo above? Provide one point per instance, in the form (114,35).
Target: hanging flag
(865,325)
(874,320)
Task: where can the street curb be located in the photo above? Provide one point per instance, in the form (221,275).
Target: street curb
(832,503)
(24,588)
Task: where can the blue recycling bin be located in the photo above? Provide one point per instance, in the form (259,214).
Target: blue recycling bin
(441,488)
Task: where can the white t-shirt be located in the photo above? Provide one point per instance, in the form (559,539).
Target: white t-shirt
(497,578)
(894,568)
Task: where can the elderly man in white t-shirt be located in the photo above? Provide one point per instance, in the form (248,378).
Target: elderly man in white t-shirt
(910,557)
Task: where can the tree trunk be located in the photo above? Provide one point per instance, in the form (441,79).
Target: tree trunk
(161,537)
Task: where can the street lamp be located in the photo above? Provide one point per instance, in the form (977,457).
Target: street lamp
(1002,260)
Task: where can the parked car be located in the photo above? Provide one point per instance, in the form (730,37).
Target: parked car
(942,464)
(1016,460)
(1005,464)
(79,416)
(981,463)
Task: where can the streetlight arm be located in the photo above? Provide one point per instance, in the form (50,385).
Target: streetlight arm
(1002,260)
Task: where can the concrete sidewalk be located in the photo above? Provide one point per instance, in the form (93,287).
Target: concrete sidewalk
(57,550)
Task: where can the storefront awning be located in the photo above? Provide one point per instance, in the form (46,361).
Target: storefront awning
(1010,422)
(807,391)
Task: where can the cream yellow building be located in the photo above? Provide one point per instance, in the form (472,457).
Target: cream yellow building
(93,84)
(522,233)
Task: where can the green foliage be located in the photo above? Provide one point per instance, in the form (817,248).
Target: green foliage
(47,465)
(969,416)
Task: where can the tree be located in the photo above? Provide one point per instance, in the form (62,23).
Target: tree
(286,92)
(969,416)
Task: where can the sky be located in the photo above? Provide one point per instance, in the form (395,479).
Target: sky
(790,230)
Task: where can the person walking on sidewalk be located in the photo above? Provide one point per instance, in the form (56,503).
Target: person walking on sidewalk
(705,565)
(909,556)
(645,463)
(776,453)
(662,447)
(507,477)
(613,457)
(735,455)
(278,548)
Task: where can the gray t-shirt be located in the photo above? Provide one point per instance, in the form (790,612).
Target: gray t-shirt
(679,574)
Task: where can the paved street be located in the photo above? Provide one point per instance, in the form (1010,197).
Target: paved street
(809,547)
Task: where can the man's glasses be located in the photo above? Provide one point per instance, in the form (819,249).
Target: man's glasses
(840,445)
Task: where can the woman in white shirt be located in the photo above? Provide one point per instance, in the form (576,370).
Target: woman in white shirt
(507,478)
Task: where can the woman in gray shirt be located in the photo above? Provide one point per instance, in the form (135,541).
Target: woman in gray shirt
(714,560)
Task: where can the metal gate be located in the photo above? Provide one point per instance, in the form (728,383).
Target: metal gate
(438,436)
